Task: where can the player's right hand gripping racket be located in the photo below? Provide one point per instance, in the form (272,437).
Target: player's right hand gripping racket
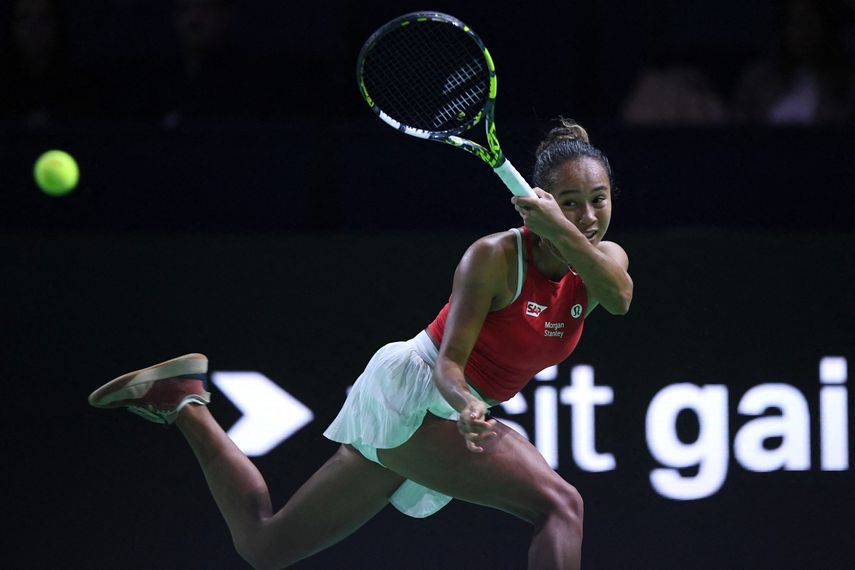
(428,75)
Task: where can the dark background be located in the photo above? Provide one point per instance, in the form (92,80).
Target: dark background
(262,215)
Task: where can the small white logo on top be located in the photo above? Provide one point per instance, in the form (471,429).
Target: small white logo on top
(532,309)
(576,311)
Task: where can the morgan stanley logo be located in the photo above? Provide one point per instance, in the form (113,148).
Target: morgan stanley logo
(533,309)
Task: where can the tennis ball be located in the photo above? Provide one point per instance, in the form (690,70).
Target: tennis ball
(56,173)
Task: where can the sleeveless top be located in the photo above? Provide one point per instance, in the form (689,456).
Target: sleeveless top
(540,327)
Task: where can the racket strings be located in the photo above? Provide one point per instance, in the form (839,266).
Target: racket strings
(429,75)
(461,76)
(459,106)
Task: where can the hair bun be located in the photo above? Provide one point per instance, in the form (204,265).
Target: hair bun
(567,130)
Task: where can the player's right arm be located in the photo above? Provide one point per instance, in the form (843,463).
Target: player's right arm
(480,285)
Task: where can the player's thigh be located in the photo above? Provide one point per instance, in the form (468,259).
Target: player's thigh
(510,474)
(343,491)
(342,495)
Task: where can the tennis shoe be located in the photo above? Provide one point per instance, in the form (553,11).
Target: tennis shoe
(158,393)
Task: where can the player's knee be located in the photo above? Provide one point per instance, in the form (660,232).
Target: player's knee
(566,507)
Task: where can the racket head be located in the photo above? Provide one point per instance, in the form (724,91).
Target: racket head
(428,75)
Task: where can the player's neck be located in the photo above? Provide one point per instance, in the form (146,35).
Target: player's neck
(548,262)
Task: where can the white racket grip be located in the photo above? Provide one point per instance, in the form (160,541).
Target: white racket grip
(513,179)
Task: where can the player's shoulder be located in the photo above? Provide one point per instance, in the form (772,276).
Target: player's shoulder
(498,244)
(614,251)
(497,249)
(609,246)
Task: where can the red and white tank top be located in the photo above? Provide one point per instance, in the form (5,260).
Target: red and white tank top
(540,327)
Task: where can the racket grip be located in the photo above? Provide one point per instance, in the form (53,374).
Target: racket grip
(513,179)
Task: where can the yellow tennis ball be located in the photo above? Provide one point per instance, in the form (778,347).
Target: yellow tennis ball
(56,173)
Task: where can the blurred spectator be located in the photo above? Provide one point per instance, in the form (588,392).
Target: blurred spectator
(807,79)
(675,94)
(39,83)
(206,76)
(210,78)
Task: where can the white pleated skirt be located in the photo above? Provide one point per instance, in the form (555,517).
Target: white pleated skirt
(387,405)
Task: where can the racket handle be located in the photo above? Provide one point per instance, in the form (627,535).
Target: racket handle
(514,180)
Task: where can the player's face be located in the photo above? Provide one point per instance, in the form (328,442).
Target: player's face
(581,187)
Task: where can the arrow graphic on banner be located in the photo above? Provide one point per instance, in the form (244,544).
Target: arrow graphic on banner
(270,414)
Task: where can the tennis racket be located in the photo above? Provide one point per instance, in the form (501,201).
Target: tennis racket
(429,76)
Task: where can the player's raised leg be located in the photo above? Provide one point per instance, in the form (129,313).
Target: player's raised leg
(341,496)
(510,475)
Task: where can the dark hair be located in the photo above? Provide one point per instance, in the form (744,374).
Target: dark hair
(567,141)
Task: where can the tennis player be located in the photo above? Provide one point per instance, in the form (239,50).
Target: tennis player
(415,429)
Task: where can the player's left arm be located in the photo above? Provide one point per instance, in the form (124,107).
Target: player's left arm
(609,279)
(603,267)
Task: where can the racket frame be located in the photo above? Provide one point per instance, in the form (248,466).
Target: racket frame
(491,154)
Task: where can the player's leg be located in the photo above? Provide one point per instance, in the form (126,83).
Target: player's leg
(510,475)
(339,498)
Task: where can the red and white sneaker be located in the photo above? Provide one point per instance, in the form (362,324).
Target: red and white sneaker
(159,392)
